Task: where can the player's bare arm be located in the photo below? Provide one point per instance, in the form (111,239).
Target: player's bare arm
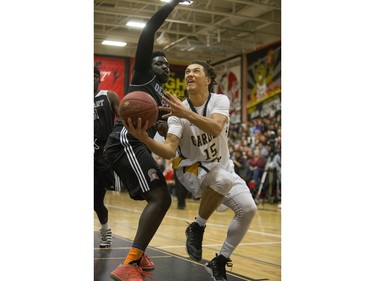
(114,100)
(212,125)
(166,150)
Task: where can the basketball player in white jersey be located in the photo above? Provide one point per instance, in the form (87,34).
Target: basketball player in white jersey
(198,131)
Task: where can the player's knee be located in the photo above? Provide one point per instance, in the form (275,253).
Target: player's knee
(167,202)
(243,206)
(249,210)
(223,183)
(160,198)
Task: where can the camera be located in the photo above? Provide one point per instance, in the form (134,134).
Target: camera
(272,142)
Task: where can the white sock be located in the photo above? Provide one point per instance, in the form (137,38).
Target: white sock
(200,221)
(105,226)
(226,250)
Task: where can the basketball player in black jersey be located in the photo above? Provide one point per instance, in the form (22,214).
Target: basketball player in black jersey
(130,158)
(106,105)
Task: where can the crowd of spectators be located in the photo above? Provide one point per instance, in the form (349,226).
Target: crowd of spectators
(255,147)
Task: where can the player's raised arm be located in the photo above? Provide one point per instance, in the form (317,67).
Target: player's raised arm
(146,40)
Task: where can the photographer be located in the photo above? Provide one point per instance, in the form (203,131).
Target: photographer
(273,167)
(257,166)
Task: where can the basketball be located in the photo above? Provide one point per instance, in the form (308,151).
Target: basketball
(138,104)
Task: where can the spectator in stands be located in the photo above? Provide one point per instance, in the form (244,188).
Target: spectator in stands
(257,165)
(241,165)
(274,176)
(259,125)
(262,149)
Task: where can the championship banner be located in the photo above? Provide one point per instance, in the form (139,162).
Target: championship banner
(263,74)
(229,81)
(112,73)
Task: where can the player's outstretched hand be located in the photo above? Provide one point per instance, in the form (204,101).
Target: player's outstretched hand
(139,132)
(175,108)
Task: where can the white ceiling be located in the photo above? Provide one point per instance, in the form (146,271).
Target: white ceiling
(216,29)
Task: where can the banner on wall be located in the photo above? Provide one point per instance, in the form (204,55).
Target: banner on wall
(112,73)
(263,74)
(229,83)
(176,83)
(267,108)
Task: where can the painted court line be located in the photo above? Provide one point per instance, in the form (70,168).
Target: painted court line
(187,220)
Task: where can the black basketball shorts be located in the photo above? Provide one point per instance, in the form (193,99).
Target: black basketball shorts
(137,169)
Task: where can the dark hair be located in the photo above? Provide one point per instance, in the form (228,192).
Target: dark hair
(210,72)
(157,54)
(96,70)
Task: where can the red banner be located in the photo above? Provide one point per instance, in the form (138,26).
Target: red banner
(112,73)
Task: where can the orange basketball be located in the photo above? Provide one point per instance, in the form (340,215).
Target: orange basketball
(138,104)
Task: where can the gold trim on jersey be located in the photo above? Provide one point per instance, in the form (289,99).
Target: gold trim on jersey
(193,169)
(175,162)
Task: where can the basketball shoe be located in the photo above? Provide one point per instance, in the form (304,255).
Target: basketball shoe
(129,272)
(146,263)
(105,238)
(194,237)
(216,267)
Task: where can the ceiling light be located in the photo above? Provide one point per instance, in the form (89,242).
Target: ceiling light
(136,24)
(187,2)
(114,43)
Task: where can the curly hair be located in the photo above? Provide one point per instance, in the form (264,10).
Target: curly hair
(210,72)
(157,54)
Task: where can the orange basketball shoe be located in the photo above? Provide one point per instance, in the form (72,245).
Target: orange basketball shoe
(146,263)
(129,272)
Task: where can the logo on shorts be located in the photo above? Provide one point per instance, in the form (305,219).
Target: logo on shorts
(153,175)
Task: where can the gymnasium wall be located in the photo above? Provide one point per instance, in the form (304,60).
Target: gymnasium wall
(252,81)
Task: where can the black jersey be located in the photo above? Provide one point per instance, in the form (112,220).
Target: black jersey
(129,157)
(116,138)
(143,80)
(103,118)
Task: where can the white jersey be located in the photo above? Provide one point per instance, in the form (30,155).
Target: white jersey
(198,148)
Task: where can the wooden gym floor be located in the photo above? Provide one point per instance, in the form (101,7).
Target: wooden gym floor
(258,257)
